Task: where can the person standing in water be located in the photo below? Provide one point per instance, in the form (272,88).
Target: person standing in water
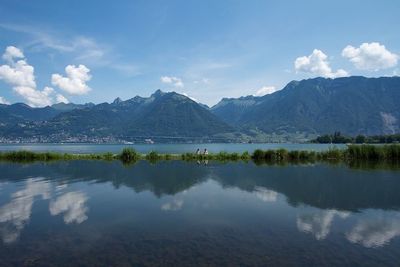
(205,151)
(198,151)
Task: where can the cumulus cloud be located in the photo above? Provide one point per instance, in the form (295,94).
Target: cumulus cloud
(175,81)
(61,99)
(36,97)
(265,90)
(3,101)
(20,75)
(11,53)
(317,63)
(73,205)
(370,56)
(75,81)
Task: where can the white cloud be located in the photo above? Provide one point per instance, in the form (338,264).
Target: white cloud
(317,63)
(265,90)
(73,205)
(11,53)
(75,81)
(175,81)
(370,56)
(3,101)
(61,99)
(35,97)
(20,75)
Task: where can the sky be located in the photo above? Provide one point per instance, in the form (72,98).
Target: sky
(96,51)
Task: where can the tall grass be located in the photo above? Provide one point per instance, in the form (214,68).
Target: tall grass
(153,156)
(375,153)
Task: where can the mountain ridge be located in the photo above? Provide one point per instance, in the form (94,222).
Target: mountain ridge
(161,115)
(352,105)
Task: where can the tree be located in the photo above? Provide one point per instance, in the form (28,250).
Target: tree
(360,139)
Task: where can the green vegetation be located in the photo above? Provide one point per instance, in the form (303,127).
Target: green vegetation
(129,155)
(153,156)
(49,156)
(353,153)
(337,138)
(374,153)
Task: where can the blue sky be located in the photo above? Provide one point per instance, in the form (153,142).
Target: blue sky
(205,49)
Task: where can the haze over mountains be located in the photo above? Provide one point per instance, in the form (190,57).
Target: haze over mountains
(302,109)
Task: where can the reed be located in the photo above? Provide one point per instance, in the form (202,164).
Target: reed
(153,156)
(374,152)
(353,153)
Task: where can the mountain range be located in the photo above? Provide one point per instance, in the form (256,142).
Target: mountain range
(162,116)
(351,105)
(302,109)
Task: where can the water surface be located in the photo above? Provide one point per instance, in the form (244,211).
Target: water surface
(97,213)
(162,148)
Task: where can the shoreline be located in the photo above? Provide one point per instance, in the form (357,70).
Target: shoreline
(352,153)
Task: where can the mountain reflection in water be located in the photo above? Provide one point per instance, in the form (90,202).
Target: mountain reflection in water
(245,214)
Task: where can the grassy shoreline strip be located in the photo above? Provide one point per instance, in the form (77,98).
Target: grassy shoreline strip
(384,153)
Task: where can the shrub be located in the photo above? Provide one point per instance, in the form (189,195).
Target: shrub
(129,155)
(258,154)
(245,156)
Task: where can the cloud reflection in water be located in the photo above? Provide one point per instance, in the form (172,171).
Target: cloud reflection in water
(16,214)
(319,222)
(265,194)
(73,205)
(174,205)
(375,231)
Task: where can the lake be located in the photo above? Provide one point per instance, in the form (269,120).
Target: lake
(163,148)
(175,213)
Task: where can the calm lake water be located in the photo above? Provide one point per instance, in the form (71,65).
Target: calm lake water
(163,148)
(96,213)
